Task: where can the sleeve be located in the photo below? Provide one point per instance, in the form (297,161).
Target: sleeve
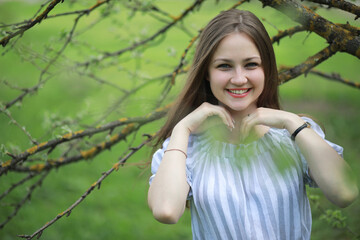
(308,180)
(156,160)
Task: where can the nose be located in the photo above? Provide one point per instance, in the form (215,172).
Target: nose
(239,76)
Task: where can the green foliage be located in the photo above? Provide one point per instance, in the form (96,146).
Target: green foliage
(334,218)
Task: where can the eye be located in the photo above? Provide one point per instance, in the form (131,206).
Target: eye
(224,66)
(252,65)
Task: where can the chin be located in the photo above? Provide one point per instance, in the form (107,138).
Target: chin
(237,108)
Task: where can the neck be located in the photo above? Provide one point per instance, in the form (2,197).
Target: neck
(234,136)
(238,116)
(223,134)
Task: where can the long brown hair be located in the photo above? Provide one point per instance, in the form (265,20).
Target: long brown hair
(197,88)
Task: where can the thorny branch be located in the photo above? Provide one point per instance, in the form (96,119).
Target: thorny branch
(19,183)
(22,128)
(4,41)
(313,22)
(122,99)
(145,41)
(97,184)
(340,4)
(25,199)
(335,77)
(130,122)
(287,33)
(58,54)
(306,66)
(89,153)
(26,91)
(331,76)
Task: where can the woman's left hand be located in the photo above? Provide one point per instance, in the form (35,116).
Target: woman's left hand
(329,170)
(272,118)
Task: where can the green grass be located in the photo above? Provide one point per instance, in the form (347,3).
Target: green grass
(118,210)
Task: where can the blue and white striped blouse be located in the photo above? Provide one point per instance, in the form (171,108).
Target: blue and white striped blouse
(247,191)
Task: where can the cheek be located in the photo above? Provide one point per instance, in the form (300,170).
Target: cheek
(258,79)
(217,82)
(218,78)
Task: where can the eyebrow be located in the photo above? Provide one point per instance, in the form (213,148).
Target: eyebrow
(228,60)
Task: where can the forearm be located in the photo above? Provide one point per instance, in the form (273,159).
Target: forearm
(169,188)
(331,173)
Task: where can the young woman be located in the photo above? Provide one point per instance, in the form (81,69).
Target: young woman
(228,148)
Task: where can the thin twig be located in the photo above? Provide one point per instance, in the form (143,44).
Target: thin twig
(335,77)
(19,205)
(158,113)
(15,185)
(305,67)
(54,59)
(26,92)
(22,128)
(68,211)
(144,41)
(334,34)
(288,32)
(340,4)
(4,41)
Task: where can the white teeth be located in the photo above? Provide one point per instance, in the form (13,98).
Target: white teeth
(238,91)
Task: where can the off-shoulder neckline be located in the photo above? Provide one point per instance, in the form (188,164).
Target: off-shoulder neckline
(265,137)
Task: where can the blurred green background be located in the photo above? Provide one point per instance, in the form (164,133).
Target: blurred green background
(71,101)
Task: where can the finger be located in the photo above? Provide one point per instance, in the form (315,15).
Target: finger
(224,115)
(208,115)
(213,121)
(230,121)
(247,124)
(243,127)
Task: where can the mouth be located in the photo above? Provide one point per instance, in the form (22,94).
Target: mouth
(238,92)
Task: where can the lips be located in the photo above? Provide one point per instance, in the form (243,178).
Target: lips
(238,92)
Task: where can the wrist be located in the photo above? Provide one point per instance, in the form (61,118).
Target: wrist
(293,123)
(299,129)
(181,129)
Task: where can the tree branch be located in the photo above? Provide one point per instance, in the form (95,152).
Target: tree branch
(58,54)
(84,154)
(340,4)
(143,42)
(24,200)
(22,128)
(26,91)
(4,41)
(335,77)
(305,67)
(288,32)
(19,183)
(313,22)
(158,113)
(68,211)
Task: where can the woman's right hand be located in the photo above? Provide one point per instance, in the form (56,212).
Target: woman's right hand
(202,118)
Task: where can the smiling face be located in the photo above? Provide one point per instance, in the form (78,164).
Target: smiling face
(236,74)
